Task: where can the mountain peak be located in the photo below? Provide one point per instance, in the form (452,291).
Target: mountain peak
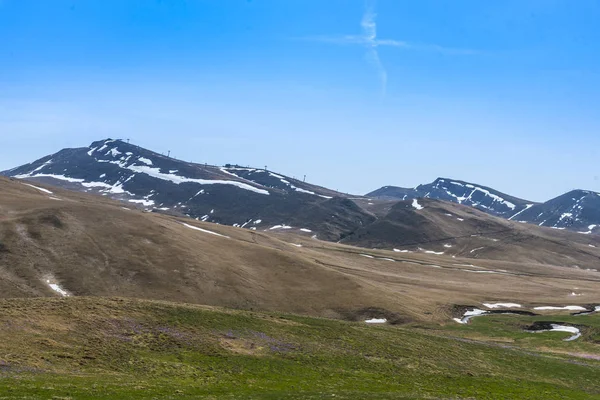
(581,192)
(224,194)
(461,192)
(577,209)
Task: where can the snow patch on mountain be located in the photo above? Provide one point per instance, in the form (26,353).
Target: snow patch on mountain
(144,202)
(250,172)
(416,205)
(527,207)
(39,188)
(204,230)
(467,196)
(280,227)
(156,173)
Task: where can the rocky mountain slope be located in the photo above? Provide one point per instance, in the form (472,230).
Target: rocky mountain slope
(230,195)
(258,199)
(577,210)
(481,197)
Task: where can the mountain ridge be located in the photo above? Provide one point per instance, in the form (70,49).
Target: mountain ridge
(230,195)
(258,198)
(555,213)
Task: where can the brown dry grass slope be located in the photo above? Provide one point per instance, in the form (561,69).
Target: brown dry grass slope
(467,232)
(92,246)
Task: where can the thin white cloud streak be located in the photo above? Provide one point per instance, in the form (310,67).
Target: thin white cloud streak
(426,47)
(359,40)
(369,28)
(368,24)
(370,41)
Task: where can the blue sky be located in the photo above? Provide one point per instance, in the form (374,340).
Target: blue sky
(354,94)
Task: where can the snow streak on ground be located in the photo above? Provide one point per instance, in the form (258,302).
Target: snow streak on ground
(39,188)
(143,202)
(431,251)
(204,230)
(280,227)
(502,305)
(376,321)
(57,289)
(527,207)
(563,328)
(569,308)
(470,314)
(416,205)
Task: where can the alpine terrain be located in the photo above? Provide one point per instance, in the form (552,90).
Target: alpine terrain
(449,217)
(577,210)
(229,195)
(230,269)
(103,299)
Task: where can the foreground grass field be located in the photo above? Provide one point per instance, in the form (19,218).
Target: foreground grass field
(93,348)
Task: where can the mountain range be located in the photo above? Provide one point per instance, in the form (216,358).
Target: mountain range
(230,195)
(259,199)
(577,210)
(113,254)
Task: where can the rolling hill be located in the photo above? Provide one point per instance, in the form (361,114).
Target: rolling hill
(56,242)
(103,299)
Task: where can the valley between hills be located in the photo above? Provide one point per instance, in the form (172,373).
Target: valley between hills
(164,280)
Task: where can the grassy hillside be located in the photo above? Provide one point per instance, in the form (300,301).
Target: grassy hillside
(463,231)
(84,348)
(92,246)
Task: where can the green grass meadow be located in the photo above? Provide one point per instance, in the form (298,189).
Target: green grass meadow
(86,348)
